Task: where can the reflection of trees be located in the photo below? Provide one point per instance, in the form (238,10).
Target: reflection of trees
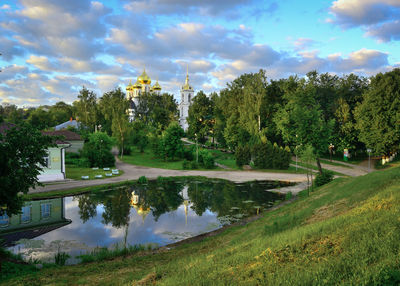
(160,196)
(222,196)
(87,207)
(165,196)
(117,208)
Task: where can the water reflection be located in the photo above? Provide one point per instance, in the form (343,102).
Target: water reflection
(159,212)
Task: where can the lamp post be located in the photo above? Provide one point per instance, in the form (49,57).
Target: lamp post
(369,159)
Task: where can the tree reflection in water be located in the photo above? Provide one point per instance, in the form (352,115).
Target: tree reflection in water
(166,195)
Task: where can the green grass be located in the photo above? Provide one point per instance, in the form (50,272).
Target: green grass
(148,159)
(76,173)
(346,232)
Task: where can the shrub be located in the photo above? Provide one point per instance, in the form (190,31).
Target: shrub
(194,165)
(188,153)
(98,150)
(186,165)
(206,159)
(142,180)
(242,155)
(324,178)
(266,156)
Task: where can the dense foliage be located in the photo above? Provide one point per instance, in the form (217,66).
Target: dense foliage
(98,150)
(349,112)
(22,153)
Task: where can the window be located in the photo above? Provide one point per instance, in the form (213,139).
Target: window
(46,161)
(26,215)
(45,211)
(4,220)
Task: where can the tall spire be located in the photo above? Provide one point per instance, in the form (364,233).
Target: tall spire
(187,74)
(187,86)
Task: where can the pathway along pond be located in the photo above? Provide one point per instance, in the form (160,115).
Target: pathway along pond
(157,213)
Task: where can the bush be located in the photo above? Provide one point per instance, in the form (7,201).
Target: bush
(98,150)
(186,165)
(207,159)
(194,165)
(242,155)
(323,179)
(268,156)
(142,180)
(188,154)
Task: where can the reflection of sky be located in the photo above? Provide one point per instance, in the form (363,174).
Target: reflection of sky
(78,237)
(169,227)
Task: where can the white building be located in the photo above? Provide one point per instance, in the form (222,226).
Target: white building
(187,94)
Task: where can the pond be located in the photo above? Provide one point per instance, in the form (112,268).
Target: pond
(157,213)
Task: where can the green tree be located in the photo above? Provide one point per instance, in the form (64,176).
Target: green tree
(170,144)
(307,156)
(113,106)
(41,118)
(200,117)
(98,150)
(157,110)
(378,116)
(22,153)
(60,112)
(86,108)
(301,120)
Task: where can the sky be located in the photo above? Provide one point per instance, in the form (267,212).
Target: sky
(50,49)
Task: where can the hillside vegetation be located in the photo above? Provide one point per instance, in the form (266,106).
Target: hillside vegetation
(346,232)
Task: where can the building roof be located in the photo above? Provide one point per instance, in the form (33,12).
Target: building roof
(64,125)
(69,135)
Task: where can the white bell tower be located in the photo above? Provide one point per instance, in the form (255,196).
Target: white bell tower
(187,94)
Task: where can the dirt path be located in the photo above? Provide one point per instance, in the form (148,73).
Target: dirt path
(132,172)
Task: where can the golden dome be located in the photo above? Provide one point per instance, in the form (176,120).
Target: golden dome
(144,78)
(130,86)
(187,86)
(137,85)
(157,86)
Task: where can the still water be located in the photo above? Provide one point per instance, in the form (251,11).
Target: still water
(158,213)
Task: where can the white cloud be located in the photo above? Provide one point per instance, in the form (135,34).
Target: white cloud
(379,18)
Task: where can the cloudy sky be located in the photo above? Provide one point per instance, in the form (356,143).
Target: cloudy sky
(51,48)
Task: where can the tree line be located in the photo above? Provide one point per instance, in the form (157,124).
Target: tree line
(350,112)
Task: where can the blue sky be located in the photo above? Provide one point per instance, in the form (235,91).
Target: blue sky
(50,49)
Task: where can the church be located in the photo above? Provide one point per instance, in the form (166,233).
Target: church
(143,85)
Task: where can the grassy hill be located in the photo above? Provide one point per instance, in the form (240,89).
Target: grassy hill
(347,232)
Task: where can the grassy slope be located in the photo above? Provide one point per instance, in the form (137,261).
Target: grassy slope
(346,232)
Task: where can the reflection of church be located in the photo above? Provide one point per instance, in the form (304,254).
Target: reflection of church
(143,85)
(186,202)
(140,209)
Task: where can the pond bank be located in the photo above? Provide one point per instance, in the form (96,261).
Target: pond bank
(132,172)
